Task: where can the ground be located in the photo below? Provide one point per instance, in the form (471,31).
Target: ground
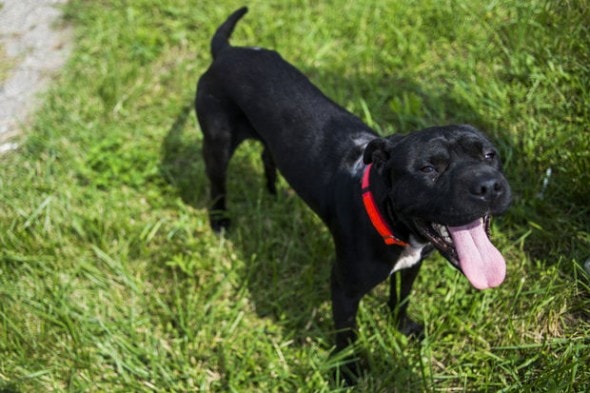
(35,45)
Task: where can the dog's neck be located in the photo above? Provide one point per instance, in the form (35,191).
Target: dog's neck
(375,212)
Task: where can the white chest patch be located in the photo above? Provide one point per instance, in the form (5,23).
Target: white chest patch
(410,256)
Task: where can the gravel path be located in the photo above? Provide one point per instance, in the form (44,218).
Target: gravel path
(32,35)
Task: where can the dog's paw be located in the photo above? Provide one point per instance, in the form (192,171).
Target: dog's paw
(411,329)
(348,372)
(349,365)
(219,224)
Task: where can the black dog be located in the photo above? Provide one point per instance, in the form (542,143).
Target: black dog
(388,202)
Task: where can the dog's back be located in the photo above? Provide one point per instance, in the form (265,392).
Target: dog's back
(254,93)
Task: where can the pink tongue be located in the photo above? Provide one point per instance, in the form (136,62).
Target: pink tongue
(481,262)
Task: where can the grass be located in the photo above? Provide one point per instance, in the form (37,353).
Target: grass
(6,63)
(110,279)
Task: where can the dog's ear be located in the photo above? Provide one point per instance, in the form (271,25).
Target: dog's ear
(379,150)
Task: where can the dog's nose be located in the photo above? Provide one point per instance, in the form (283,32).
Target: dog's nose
(488,189)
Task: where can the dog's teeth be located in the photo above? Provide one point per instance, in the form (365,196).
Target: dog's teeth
(443,232)
(441,229)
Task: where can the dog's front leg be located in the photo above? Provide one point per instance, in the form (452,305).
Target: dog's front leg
(398,302)
(344,309)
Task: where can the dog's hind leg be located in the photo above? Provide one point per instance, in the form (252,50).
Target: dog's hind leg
(270,171)
(224,128)
(217,155)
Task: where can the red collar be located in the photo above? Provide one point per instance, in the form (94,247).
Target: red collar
(375,215)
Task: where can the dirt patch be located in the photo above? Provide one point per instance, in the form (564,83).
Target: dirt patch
(35,46)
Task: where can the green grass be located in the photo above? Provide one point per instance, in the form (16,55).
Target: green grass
(6,64)
(111,281)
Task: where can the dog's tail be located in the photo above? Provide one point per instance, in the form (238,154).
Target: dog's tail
(221,37)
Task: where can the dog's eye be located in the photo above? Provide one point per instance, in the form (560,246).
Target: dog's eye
(489,156)
(428,169)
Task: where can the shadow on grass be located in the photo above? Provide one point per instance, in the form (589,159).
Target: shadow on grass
(8,388)
(181,164)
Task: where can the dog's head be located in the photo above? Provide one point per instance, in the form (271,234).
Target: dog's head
(444,183)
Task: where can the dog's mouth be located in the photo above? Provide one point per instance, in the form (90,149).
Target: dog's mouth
(468,247)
